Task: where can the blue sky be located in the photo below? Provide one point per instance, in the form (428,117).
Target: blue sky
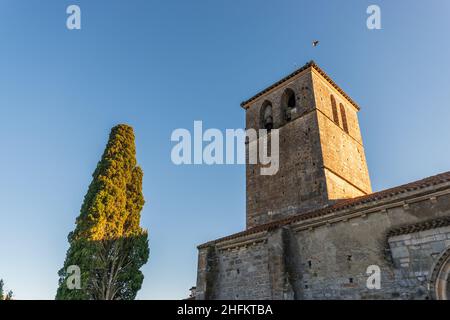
(160,65)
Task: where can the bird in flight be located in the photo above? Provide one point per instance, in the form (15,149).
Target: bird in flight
(315,43)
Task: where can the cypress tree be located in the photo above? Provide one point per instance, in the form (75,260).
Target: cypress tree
(3,296)
(108,244)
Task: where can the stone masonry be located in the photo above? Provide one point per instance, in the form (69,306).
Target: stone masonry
(319,162)
(315,227)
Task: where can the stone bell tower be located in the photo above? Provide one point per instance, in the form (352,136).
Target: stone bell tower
(321,153)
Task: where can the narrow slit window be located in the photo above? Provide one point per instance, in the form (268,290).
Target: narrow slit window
(334,109)
(344,118)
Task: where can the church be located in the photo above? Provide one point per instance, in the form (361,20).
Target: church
(315,229)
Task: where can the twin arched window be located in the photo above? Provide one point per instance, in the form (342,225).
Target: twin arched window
(336,113)
(288,102)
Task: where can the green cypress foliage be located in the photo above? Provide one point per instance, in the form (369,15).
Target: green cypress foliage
(108,244)
(3,296)
(1,289)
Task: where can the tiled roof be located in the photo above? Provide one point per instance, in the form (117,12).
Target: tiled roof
(341,205)
(310,64)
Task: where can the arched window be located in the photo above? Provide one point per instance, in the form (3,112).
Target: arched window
(267,116)
(288,103)
(440,277)
(344,118)
(334,109)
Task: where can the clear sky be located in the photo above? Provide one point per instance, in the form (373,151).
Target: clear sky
(160,65)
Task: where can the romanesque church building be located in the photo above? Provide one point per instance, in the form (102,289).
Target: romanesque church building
(315,229)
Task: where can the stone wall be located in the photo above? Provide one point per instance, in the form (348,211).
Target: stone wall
(337,255)
(319,162)
(414,255)
(240,272)
(301,242)
(343,153)
(328,257)
(299,183)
